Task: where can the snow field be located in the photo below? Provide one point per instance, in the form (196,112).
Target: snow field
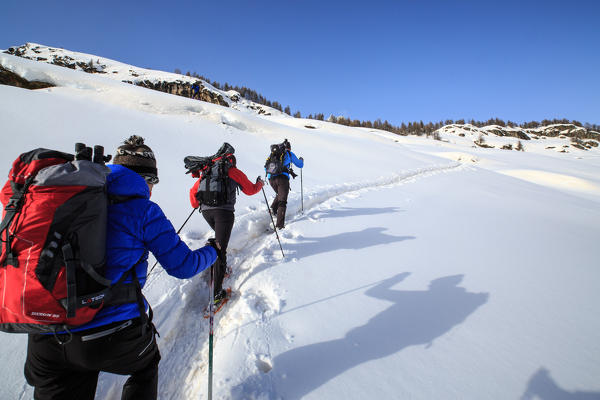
(419,269)
(251,252)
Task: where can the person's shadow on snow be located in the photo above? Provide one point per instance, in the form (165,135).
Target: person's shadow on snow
(416,317)
(368,237)
(541,386)
(310,246)
(345,212)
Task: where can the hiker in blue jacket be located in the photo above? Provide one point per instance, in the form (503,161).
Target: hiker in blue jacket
(278,169)
(195,91)
(121,338)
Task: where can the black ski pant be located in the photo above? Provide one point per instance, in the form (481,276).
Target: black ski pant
(221,221)
(281,186)
(70,371)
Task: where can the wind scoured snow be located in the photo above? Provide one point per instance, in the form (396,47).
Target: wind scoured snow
(413,268)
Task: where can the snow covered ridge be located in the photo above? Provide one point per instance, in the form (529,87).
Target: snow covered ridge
(167,82)
(568,137)
(573,137)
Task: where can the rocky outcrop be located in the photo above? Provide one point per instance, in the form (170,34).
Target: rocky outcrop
(59,59)
(560,130)
(575,133)
(184,89)
(93,65)
(10,78)
(568,130)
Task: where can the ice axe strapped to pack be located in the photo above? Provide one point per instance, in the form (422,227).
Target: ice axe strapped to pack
(53,234)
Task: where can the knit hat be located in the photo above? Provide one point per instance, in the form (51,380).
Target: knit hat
(138,157)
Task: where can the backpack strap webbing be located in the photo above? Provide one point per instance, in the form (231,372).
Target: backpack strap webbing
(113,294)
(146,318)
(12,209)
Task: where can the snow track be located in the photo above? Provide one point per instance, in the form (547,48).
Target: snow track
(250,252)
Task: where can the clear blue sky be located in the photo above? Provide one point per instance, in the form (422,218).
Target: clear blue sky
(394,60)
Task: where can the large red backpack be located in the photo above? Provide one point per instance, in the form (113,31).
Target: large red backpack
(53,238)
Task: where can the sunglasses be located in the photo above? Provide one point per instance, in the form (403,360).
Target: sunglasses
(151,179)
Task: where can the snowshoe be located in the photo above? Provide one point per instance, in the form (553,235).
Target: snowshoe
(221,299)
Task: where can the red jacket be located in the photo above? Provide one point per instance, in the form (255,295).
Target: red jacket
(238,176)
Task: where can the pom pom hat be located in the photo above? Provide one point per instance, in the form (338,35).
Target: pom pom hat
(138,157)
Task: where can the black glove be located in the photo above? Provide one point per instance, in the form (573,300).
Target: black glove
(293,174)
(212,242)
(259,179)
(301,159)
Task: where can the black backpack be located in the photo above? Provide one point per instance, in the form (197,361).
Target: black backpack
(213,190)
(274,164)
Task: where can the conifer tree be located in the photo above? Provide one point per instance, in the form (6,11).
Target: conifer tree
(520,146)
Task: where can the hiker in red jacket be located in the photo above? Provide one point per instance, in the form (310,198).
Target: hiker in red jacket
(221,217)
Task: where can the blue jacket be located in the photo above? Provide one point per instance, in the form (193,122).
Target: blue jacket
(289,158)
(135,227)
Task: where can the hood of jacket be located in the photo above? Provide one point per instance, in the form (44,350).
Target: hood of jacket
(124,182)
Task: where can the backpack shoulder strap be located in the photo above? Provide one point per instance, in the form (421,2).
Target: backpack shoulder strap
(116,199)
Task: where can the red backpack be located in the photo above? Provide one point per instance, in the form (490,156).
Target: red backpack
(53,242)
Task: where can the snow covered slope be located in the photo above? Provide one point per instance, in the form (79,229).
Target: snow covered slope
(417,268)
(159,80)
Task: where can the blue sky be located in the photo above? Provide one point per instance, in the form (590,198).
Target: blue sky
(396,60)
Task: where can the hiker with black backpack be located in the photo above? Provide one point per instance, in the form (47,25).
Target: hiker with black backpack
(64,361)
(278,169)
(214,193)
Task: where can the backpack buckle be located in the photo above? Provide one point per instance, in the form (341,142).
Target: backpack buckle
(12,204)
(11,260)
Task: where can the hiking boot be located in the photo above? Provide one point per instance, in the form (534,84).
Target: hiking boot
(220,296)
(280,223)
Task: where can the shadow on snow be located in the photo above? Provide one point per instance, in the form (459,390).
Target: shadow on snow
(310,246)
(414,318)
(541,386)
(344,212)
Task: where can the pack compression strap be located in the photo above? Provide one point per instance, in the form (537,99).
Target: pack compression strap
(13,208)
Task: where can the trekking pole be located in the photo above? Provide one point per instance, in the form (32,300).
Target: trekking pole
(211,310)
(273,221)
(301,191)
(188,218)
